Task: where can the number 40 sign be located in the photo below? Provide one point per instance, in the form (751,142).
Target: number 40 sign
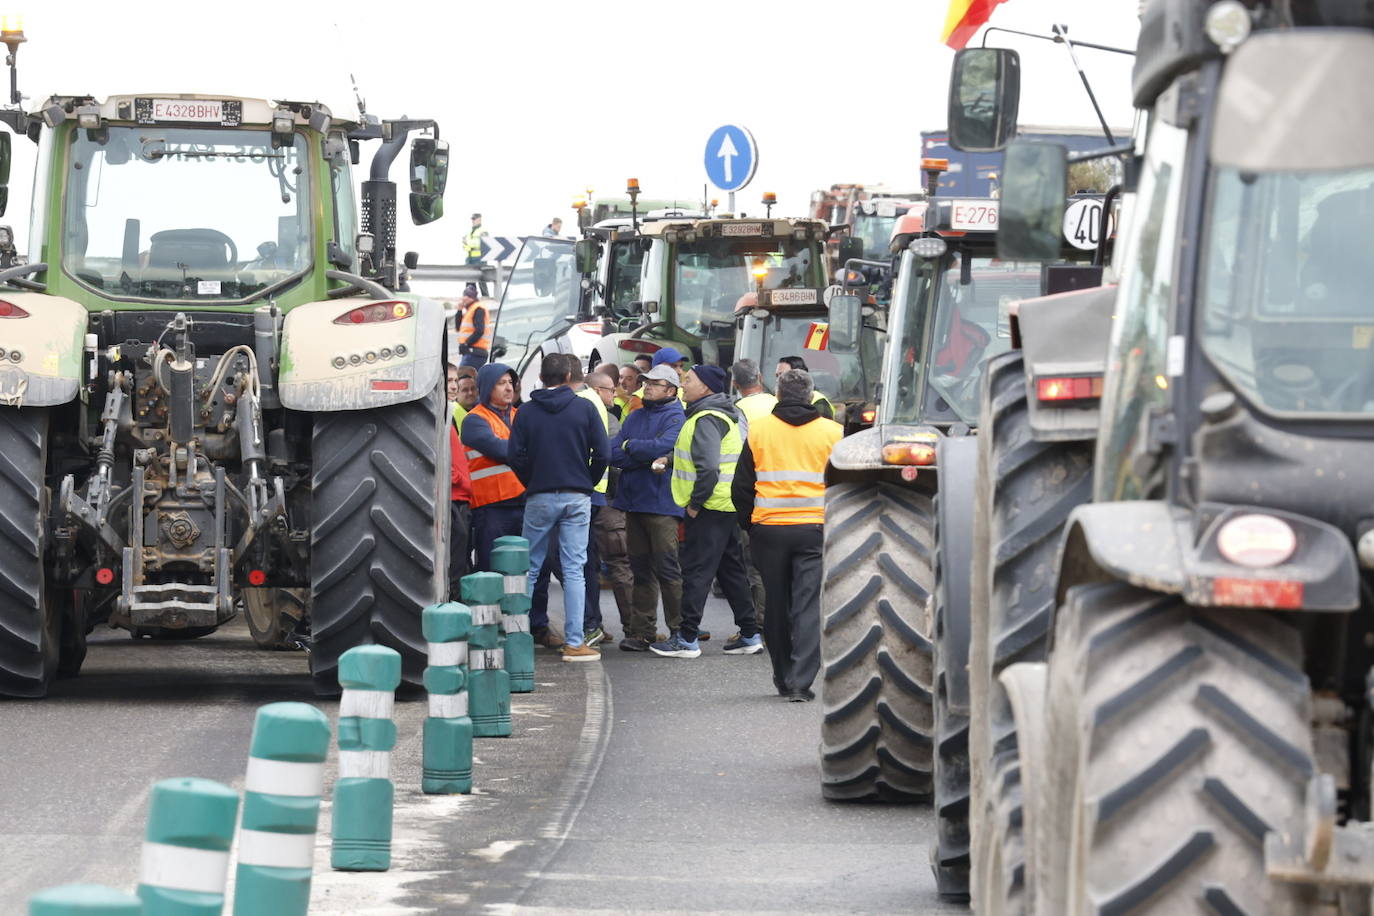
(1083,224)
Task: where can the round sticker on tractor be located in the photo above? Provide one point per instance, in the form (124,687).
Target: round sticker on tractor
(1083,223)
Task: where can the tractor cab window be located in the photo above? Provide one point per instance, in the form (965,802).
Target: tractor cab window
(539,302)
(627,259)
(875,232)
(1287,297)
(185,213)
(968,308)
(711,275)
(838,376)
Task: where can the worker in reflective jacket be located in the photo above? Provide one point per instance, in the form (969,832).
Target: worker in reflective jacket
(498,497)
(703,467)
(779,494)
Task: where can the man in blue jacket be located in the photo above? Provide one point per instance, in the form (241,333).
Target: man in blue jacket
(651,515)
(558,449)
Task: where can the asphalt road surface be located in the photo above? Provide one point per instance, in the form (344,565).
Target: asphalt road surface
(639,784)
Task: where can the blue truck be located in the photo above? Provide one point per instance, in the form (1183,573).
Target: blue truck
(977,174)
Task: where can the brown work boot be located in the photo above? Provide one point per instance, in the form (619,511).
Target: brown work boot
(548,637)
(580,654)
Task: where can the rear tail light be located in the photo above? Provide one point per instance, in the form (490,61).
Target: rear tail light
(1280,594)
(590,327)
(257,577)
(10,310)
(640,346)
(1256,540)
(1070,388)
(104,575)
(375,312)
(917,453)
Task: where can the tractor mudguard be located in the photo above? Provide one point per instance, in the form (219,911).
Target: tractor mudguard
(957,459)
(1151,544)
(40,352)
(373,374)
(1065,335)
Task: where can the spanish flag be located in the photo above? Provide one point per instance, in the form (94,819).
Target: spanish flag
(818,336)
(964,19)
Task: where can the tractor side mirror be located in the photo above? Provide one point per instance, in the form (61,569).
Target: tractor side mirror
(1030,226)
(984,95)
(587,251)
(846,323)
(428,178)
(850,248)
(4,172)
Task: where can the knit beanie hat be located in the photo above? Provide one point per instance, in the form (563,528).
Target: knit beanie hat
(712,377)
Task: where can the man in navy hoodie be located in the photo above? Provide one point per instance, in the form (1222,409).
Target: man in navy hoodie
(498,497)
(559,451)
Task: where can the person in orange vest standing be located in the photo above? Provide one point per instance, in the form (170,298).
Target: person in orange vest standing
(498,496)
(474,328)
(779,497)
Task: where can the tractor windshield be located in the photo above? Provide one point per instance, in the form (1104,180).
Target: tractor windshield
(838,376)
(875,232)
(710,276)
(539,302)
(1287,298)
(184,213)
(970,323)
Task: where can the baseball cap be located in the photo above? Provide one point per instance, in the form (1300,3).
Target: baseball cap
(664,373)
(667,355)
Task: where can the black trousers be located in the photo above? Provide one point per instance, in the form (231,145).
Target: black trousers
(711,550)
(460,519)
(553,566)
(788,558)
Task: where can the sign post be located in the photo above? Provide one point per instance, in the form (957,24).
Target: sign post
(731,159)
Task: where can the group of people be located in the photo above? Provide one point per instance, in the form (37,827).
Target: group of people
(662,478)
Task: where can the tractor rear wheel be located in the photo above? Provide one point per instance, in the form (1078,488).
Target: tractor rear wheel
(877,729)
(30,622)
(1178,737)
(379,532)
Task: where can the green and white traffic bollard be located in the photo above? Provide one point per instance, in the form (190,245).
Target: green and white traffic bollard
(364,796)
(448,728)
(84,900)
(511,558)
(281,809)
(488,682)
(186,847)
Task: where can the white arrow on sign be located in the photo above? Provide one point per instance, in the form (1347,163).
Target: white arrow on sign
(728,152)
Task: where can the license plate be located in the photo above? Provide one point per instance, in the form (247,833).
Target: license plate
(795,297)
(973,214)
(738,229)
(188,111)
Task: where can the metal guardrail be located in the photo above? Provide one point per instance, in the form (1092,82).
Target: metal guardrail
(495,275)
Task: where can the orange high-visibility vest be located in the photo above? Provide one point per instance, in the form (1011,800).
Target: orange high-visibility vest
(789,466)
(469,326)
(492,481)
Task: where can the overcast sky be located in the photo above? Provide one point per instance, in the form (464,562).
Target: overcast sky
(543,99)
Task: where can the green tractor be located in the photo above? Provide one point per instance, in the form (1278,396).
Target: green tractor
(214,394)
(1170,660)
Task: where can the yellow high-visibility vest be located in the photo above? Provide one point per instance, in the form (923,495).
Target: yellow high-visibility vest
(595,398)
(685,473)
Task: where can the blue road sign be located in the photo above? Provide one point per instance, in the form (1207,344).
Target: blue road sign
(731,157)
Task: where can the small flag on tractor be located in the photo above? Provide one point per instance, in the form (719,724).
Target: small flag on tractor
(818,337)
(964,19)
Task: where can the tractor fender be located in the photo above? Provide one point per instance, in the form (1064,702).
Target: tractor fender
(957,459)
(41,362)
(1065,334)
(311,342)
(1151,544)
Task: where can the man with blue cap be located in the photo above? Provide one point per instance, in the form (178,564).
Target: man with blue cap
(703,468)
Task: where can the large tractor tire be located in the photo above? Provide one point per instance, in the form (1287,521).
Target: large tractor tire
(1027,490)
(949,859)
(30,620)
(877,730)
(1178,737)
(379,538)
(273,615)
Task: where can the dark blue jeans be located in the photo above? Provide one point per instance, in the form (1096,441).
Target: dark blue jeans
(491,522)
